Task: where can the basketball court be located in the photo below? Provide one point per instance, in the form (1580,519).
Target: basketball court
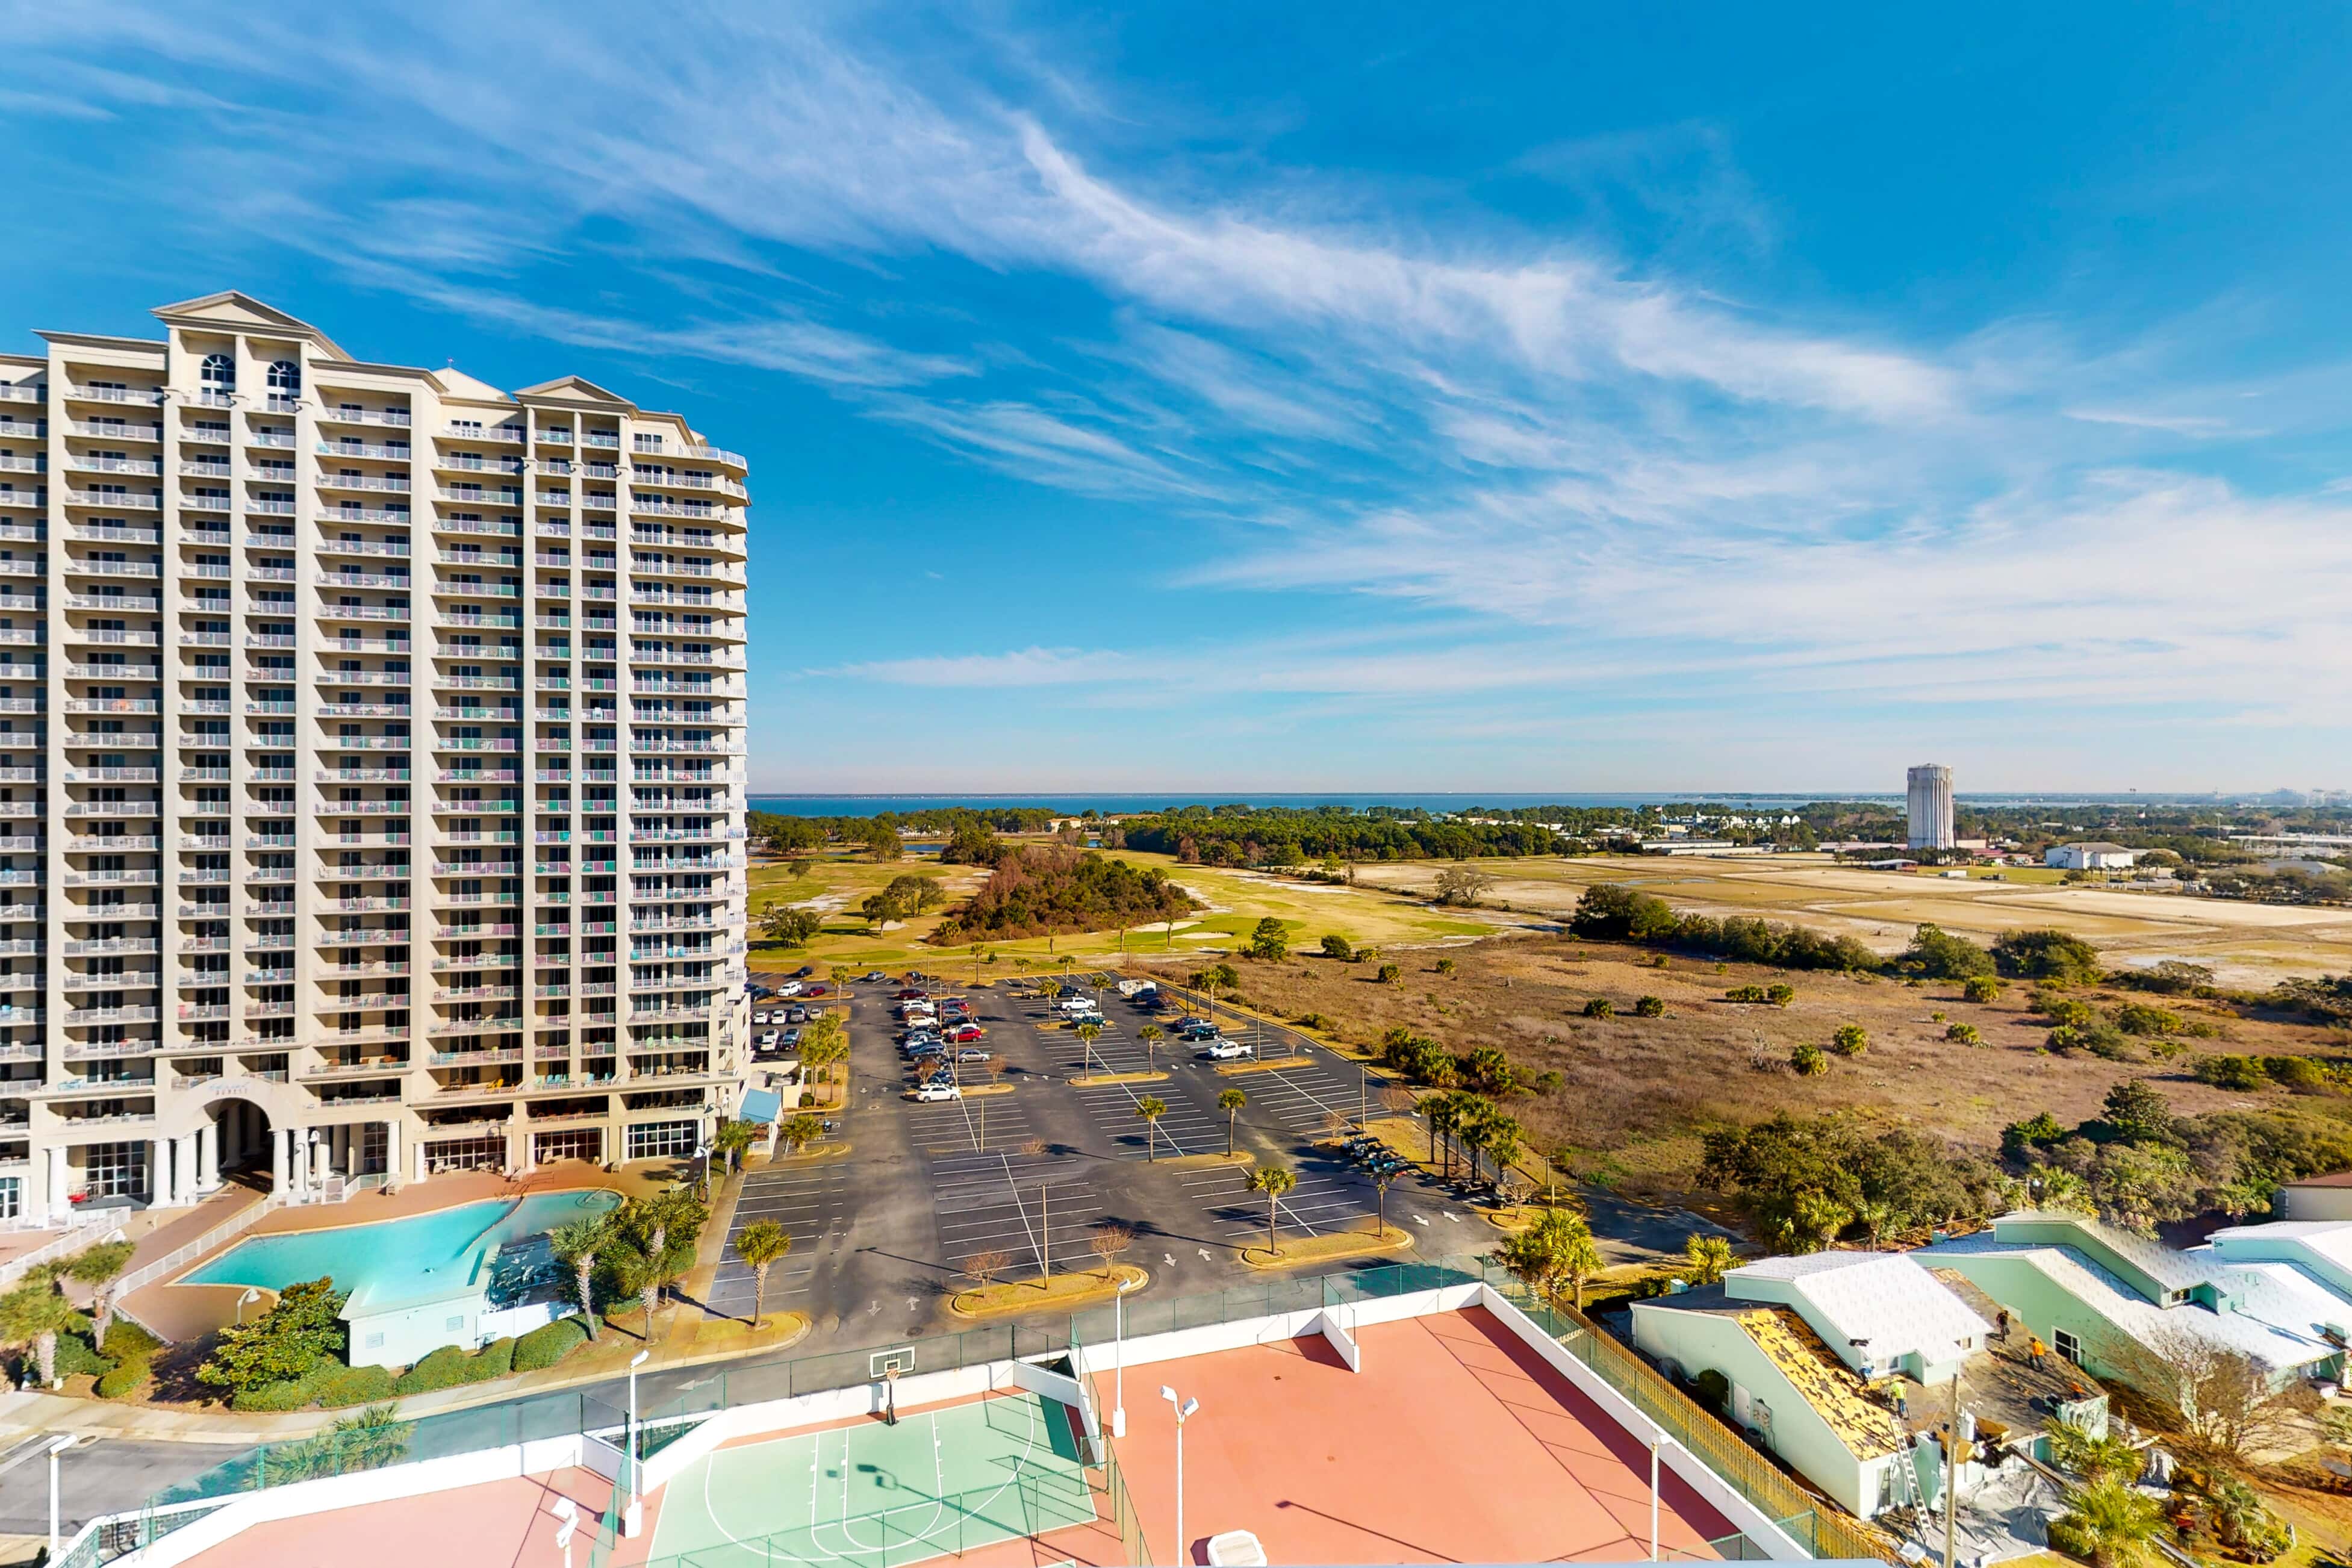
(876,1495)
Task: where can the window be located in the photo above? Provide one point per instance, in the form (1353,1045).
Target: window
(662,1139)
(116,1170)
(2068,1345)
(218,372)
(374,1342)
(285,376)
(456,1325)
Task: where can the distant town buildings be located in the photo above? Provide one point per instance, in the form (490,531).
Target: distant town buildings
(2096,857)
(1931,795)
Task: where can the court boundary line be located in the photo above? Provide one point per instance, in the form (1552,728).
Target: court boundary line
(879,1554)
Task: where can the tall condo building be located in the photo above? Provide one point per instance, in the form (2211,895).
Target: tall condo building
(1931,806)
(371,769)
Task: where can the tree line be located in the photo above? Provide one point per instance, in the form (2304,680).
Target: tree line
(1290,836)
(1048,889)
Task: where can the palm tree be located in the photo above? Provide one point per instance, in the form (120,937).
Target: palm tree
(2111,1523)
(1150,1034)
(799,1131)
(1087,1035)
(1553,1256)
(1444,1114)
(1149,1110)
(732,1139)
(98,1266)
(1381,1180)
(1273,1181)
(35,1313)
(577,1243)
(762,1244)
(1231,1101)
(1500,1137)
(1710,1258)
(1472,1132)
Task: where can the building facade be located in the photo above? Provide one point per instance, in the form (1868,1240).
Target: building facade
(371,769)
(1929,795)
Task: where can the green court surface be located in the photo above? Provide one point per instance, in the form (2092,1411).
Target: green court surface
(874,1496)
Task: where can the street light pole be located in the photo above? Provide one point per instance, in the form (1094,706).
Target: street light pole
(636,1520)
(1119,1356)
(1184,1550)
(58,1447)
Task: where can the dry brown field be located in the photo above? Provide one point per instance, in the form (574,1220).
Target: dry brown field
(2251,946)
(1635,1093)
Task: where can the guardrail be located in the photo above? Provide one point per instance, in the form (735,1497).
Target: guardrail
(178,1257)
(71,1242)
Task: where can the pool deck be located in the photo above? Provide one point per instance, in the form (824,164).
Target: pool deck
(181,1311)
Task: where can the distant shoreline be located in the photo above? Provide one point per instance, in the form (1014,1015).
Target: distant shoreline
(1075,802)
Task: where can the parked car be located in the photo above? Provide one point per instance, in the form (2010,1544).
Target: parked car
(1196,1029)
(803,971)
(1222,1049)
(964,1034)
(791,1038)
(768,1041)
(812,989)
(938,1092)
(790,988)
(972,1054)
(796,1015)
(872,977)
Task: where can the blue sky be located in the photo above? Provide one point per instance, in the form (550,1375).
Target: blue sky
(1370,398)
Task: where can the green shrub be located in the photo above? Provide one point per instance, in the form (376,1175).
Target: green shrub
(2109,1045)
(123,1380)
(1808,1060)
(1779,995)
(1600,1007)
(1338,946)
(2240,1075)
(1851,1040)
(451,1366)
(1982,988)
(354,1385)
(77,1358)
(1964,1035)
(544,1347)
(2141,1019)
(1712,1389)
(2298,1073)
(1745,994)
(1387,974)
(126,1339)
(2060,1010)
(1650,1007)
(294,1394)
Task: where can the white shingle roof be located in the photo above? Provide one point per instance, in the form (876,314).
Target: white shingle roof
(1883,1298)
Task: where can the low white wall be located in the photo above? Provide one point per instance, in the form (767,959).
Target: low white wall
(1745,1517)
(1334,1331)
(1071,1391)
(392,1482)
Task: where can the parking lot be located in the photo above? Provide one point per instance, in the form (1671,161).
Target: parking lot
(882,1238)
(1033,1210)
(811,1202)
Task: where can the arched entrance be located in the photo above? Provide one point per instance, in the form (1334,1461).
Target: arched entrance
(242,1131)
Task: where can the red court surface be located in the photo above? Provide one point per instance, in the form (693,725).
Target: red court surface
(499,1524)
(1456,1443)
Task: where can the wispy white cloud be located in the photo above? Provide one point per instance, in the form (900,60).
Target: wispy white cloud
(1610,470)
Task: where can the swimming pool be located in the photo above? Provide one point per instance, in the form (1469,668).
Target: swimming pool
(399,1259)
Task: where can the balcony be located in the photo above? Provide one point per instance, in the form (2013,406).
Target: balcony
(397,418)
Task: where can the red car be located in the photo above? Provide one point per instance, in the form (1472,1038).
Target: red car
(964,1034)
(813,991)
(911,995)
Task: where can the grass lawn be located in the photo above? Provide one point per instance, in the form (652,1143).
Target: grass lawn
(1233,902)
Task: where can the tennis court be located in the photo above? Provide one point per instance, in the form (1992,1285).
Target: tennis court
(876,1496)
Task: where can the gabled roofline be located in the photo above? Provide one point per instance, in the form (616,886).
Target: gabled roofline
(294,326)
(547,388)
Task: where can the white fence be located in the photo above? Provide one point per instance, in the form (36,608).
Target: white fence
(65,1245)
